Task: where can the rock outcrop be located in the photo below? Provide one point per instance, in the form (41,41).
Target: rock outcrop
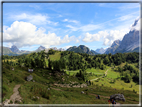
(118,97)
(29,78)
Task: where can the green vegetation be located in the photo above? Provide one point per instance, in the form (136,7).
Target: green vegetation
(59,77)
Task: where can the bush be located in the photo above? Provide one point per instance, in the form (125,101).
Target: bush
(11,102)
(38,90)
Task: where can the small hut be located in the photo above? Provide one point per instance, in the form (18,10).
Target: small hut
(30,70)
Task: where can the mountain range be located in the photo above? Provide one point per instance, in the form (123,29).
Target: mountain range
(129,43)
(15,51)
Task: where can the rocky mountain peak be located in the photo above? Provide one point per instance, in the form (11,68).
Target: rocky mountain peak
(116,43)
(135,23)
(41,48)
(14,49)
(61,49)
(84,48)
(54,48)
(101,50)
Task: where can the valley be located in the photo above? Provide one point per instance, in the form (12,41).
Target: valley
(69,52)
(65,77)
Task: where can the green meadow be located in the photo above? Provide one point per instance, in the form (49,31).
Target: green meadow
(54,85)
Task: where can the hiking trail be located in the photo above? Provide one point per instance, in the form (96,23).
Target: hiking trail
(15,96)
(101,76)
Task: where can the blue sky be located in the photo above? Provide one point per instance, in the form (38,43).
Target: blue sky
(61,25)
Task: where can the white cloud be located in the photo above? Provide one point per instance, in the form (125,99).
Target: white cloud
(26,34)
(37,19)
(106,36)
(127,17)
(77,41)
(73,21)
(106,41)
(72,28)
(67,39)
(91,37)
(89,27)
(9,45)
(66,47)
(65,20)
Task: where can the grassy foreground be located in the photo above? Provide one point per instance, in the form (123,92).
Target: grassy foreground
(44,91)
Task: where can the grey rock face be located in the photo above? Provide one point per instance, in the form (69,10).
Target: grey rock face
(113,47)
(130,41)
(61,49)
(29,78)
(41,48)
(116,43)
(118,97)
(14,49)
(101,51)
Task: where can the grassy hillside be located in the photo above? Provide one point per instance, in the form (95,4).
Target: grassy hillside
(7,51)
(56,94)
(59,79)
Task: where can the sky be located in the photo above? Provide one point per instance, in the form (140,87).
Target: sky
(62,25)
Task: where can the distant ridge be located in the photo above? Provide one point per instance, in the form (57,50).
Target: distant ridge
(41,48)
(7,51)
(101,50)
(82,49)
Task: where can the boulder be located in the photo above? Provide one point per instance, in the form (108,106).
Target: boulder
(29,78)
(13,69)
(82,92)
(118,97)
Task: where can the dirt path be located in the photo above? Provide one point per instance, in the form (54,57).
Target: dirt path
(57,89)
(101,76)
(15,96)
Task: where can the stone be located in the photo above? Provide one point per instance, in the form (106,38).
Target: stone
(7,101)
(13,69)
(118,97)
(29,78)
(82,92)
(37,97)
